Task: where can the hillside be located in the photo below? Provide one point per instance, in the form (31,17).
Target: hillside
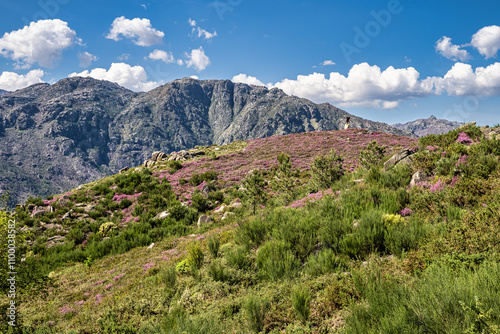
(2,92)
(55,137)
(273,235)
(428,126)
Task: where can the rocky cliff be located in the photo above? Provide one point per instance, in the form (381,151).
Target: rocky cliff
(54,137)
(426,126)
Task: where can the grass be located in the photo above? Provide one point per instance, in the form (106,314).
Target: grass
(371,256)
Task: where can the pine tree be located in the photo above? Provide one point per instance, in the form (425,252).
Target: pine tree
(254,184)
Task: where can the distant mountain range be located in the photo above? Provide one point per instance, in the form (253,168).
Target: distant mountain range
(426,126)
(2,92)
(54,137)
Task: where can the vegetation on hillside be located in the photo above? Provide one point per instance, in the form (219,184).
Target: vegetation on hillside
(308,234)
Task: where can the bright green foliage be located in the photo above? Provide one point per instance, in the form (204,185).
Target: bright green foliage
(326,170)
(213,246)
(195,256)
(372,155)
(254,184)
(255,309)
(283,181)
(301,301)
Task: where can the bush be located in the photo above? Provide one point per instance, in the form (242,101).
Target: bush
(237,257)
(195,256)
(325,262)
(372,155)
(301,303)
(213,246)
(173,166)
(169,277)
(326,170)
(275,260)
(255,309)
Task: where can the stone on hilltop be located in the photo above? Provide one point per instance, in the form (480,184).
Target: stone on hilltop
(397,158)
(204,219)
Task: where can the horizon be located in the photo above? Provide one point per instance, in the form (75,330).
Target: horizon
(388,61)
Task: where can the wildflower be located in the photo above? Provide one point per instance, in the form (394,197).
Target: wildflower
(148,265)
(405,212)
(98,299)
(108,286)
(116,278)
(430,148)
(461,160)
(463,138)
(65,310)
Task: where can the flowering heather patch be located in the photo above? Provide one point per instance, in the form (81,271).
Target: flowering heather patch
(116,278)
(111,271)
(66,310)
(430,148)
(463,138)
(107,287)
(461,160)
(98,283)
(438,186)
(98,299)
(118,198)
(147,266)
(80,303)
(405,212)
(302,147)
(311,198)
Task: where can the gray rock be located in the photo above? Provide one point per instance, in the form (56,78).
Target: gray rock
(236,205)
(67,215)
(204,219)
(123,170)
(418,177)
(227,215)
(162,215)
(397,158)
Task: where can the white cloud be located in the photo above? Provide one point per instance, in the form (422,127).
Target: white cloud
(131,77)
(197,59)
(247,79)
(445,48)
(139,30)
(369,86)
(12,81)
(201,32)
(41,42)
(487,41)
(164,56)
(195,77)
(86,59)
(327,62)
(461,79)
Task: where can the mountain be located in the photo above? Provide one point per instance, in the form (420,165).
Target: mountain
(54,137)
(426,126)
(2,92)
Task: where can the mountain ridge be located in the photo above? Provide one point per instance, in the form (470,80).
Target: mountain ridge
(426,126)
(54,137)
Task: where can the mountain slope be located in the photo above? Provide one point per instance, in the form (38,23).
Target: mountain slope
(2,92)
(426,126)
(80,129)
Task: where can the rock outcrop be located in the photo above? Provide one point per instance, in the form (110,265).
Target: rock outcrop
(426,126)
(55,137)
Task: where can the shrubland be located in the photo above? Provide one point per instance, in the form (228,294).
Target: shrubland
(309,233)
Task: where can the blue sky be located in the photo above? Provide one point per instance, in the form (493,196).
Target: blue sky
(390,61)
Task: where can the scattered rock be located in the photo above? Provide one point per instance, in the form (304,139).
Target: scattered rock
(39,211)
(220,209)
(31,207)
(123,170)
(137,170)
(355,224)
(80,187)
(418,177)
(359,180)
(151,246)
(162,215)
(157,156)
(205,190)
(67,215)
(88,208)
(63,200)
(204,219)
(236,205)
(397,158)
(50,226)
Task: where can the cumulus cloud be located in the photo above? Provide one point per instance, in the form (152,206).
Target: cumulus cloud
(327,62)
(199,32)
(166,57)
(461,79)
(131,77)
(447,49)
(86,59)
(487,41)
(12,81)
(41,42)
(195,77)
(138,30)
(197,59)
(369,86)
(247,79)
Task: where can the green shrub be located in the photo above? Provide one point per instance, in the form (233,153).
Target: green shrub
(195,256)
(372,155)
(255,309)
(325,262)
(125,203)
(251,233)
(254,184)
(237,257)
(301,301)
(169,276)
(75,235)
(199,202)
(326,170)
(173,166)
(402,237)
(213,246)
(275,260)
(217,272)
(367,238)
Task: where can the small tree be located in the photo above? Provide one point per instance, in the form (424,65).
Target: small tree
(326,169)
(372,155)
(283,180)
(254,183)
